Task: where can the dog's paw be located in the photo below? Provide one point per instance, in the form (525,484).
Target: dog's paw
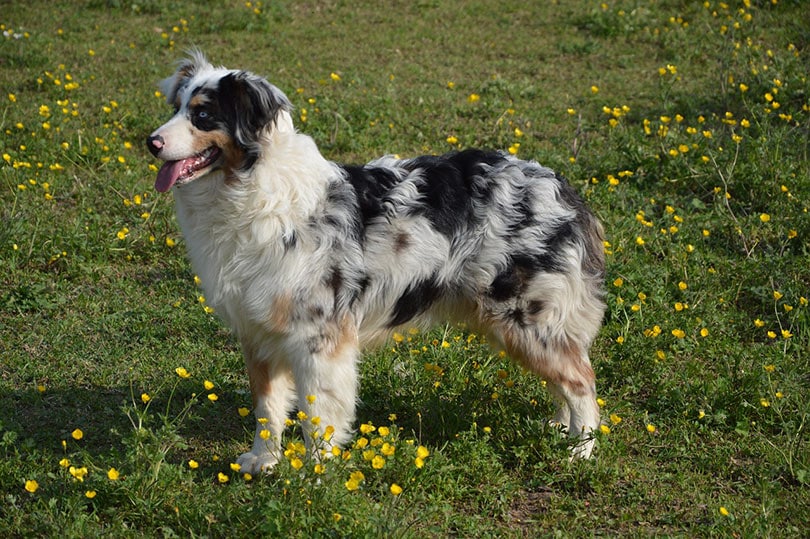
(253,463)
(583,448)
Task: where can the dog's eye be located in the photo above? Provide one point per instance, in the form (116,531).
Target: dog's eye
(202,115)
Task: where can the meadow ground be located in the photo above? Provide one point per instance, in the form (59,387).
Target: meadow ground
(123,401)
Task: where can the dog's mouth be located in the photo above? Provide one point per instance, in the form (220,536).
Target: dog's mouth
(184,170)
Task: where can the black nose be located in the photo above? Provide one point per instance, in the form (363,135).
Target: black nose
(155,144)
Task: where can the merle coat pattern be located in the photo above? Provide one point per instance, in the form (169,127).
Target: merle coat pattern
(308,260)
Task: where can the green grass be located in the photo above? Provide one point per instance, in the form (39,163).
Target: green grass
(684,126)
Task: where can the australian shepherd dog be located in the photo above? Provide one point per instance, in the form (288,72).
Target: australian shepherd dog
(308,260)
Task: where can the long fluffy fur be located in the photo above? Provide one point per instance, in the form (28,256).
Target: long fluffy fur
(308,260)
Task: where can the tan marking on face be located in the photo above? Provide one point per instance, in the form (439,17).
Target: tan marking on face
(197,101)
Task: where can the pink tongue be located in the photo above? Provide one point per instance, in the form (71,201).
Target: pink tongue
(168,174)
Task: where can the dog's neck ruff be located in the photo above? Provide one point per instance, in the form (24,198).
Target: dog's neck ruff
(265,206)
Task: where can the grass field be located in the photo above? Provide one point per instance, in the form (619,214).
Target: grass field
(685,125)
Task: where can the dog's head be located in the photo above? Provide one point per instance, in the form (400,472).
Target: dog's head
(220,118)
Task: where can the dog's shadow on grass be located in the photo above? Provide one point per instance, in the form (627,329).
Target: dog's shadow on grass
(105,418)
(100,420)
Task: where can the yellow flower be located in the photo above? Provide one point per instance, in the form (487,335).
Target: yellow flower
(377,462)
(31,486)
(452,140)
(651,428)
(78,473)
(618,282)
(682,286)
(212,397)
(615,419)
(311,399)
(90,494)
(764,217)
(367,428)
(777,295)
(64,463)
(765,403)
(145,397)
(296,463)
(182,372)
(243,412)
(235,466)
(679,333)
(319,468)
(704,332)
(264,434)
(77,434)
(193,464)
(208,385)
(473,98)
(604,429)
(395,489)
(170,242)
(222,478)
(334,76)
(113,474)
(352,485)
(594,89)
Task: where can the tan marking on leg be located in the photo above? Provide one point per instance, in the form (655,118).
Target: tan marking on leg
(259,377)
(278,319)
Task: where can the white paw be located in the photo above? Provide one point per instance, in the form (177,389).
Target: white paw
(253,463)
(583,447)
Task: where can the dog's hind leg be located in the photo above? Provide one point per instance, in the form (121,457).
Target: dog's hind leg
(571,382)
(573,387)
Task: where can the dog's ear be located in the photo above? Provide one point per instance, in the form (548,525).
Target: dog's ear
(186,69)
(250,105)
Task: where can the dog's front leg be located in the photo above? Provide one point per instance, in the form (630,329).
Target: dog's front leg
(273,393)
(326,381)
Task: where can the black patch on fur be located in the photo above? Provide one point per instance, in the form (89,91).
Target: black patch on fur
(290,240)
(370,187)
(247,105)
(401,242)
(586,229)
(416,300)
(521,268)
(524,209)
(453,184)
(534,307)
